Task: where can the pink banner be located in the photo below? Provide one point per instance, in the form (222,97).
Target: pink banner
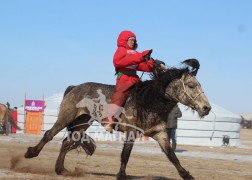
(34,105)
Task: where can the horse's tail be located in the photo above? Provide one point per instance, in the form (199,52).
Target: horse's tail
(68,89)
(8,116)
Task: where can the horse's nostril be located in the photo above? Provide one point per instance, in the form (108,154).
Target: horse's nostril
(206,108)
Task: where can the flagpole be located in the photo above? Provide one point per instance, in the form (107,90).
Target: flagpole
(43,113)
(25,113)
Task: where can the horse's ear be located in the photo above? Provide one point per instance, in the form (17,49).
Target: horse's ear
(158,67)
(194,64)
(194,72)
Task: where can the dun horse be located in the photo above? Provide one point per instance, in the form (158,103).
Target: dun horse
(5,115)
(145,110)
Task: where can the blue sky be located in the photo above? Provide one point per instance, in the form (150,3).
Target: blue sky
(47,45)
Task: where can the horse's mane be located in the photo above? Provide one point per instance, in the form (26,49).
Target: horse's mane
(149,95)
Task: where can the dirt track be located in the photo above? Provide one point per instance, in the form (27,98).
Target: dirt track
(203,162)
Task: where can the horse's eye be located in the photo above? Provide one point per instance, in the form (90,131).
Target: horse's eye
(191,85)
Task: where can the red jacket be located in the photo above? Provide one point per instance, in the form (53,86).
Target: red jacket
(126,59)
(14,116)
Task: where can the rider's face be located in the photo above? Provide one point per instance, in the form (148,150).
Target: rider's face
(131,42)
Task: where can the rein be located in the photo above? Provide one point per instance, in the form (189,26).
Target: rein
(143,71)
(211,137)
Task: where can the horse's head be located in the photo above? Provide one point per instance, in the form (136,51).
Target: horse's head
(169,86)
(187,90)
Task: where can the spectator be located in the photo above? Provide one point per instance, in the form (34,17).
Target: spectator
(14,116)
(8,105)
(8,125)
(171,126)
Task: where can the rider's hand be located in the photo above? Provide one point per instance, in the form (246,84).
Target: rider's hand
(146,55)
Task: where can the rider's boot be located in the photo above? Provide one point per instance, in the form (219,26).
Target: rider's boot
(108,124)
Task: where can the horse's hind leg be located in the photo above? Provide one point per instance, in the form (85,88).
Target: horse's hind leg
(77,137)
(84,141)
(161,138)
(127,147)
(64,118)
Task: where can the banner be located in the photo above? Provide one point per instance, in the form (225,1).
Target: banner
(34,105)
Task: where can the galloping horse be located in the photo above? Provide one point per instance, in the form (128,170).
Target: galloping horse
(145,110)
(6,115)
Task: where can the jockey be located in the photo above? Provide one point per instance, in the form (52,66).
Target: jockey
(126,61)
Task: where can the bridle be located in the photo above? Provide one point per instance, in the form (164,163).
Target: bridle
(185,93)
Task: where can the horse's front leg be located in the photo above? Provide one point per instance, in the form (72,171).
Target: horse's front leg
(7,126)
(127,147)
(161,138)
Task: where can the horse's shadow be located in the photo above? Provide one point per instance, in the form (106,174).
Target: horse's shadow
(129,177)
(133,177)
(180,150)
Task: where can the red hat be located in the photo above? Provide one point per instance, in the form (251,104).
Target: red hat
(123,38)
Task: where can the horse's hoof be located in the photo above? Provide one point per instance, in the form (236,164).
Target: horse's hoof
(120,176)
(61,171)
(30,153)
(189,177)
